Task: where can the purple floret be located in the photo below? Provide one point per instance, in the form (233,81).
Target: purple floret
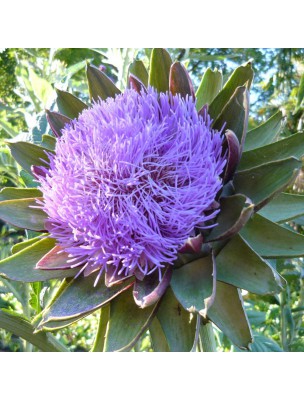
(131,180)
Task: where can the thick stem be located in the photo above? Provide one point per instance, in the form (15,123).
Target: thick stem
(207,338)
(56,343)
(98,345)
(27,313)
(285,337)
(196,344)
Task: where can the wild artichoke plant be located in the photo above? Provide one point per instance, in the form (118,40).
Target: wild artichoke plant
(156,207)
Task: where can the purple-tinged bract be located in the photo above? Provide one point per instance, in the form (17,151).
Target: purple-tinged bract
(131,180)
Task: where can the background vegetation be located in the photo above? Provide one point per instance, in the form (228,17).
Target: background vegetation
(27,80)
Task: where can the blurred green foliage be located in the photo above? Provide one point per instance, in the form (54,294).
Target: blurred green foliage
(27,80)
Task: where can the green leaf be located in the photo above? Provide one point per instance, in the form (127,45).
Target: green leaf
(57,121)
(235,114)
(293,146)
(39,128)
(21,266)
(35,296)
(206,338)
(239,265)
(42,88)
(261,183)
(243,75)
(59,289)
(271,240)
(81,298)
(23,73)
(262,343)
(176,323)
(138,69)
(160,64)
(284,207)
(179,81)
(60,324)
(19,326)
(300,98)
(28,179)
(127,322)
(227,312)
(69,105)
(235,212)
(48,142)
(8,129)
(22,245)
(210,86)
(194,284)
(265,133)
(19,213)
(10,193)
(28,154)
(158,338)
(256,317)
(100,86)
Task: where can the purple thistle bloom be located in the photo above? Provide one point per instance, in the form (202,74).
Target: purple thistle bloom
(131,180)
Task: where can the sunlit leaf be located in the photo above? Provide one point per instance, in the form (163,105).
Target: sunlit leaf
(100,86)
(21,213)
(80,297)
(41,87)
(21,266)
(243,75)
(138,69)
(69,105)
(28,154)
(160,64)
(10,193)
(209,87)
(265,133)
(22,245)
(8,128)
(293,146)
(234,115)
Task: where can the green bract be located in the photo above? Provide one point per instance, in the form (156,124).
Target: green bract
(205,282)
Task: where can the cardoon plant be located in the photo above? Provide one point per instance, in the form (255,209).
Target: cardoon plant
(156,207)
